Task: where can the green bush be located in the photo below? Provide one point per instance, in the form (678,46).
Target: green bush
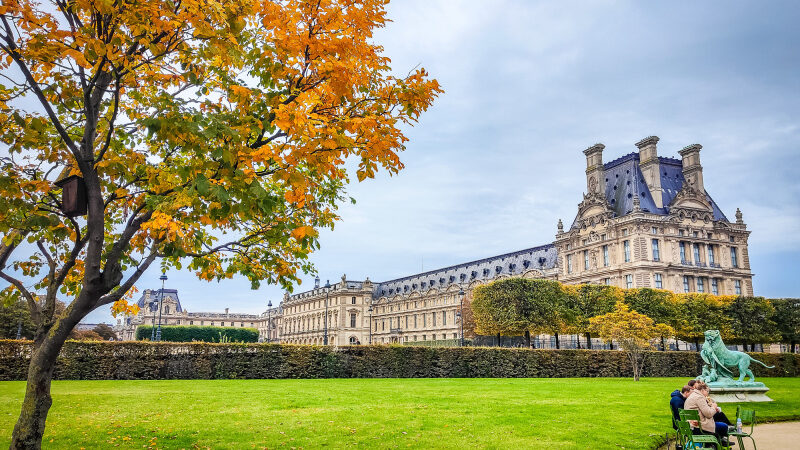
(83,360)
(190,333)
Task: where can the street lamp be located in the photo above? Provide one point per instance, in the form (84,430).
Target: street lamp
(163,279)
(269,321)
(327,293)
(370,322)
(154,308)
(461,315)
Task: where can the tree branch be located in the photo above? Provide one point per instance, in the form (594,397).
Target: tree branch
(120,291)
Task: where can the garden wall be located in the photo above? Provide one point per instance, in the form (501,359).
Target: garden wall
(144,360)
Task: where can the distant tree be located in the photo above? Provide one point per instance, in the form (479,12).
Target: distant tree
(787,321)
(16,317)
(660,305)
(700,312)
(633,332)
(511,307)
(551,292)
(85,335)
(105,332)
(589,300)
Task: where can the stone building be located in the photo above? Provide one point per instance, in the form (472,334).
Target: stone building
(644,221)
(172,313)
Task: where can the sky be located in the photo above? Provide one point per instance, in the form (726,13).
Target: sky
(497,161)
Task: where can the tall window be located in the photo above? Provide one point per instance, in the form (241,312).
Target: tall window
(433,322)
(415,321)
(629,281)
(424,320)
(605,255)
(353,300)
(734,258)
(569,263)
(685,283)
(383,325)
(607,281)
(696,251)
(738,287)
(586,260)
(655,230)
(683,251)
(701,285)
(715,286)
(352,320)
(627,248)
(406,321)
(710,255)
(444,317)
(656,253)
(659,283)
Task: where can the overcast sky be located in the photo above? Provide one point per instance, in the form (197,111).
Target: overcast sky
(528,86)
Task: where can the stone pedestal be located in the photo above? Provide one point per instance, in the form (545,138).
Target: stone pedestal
(739,392)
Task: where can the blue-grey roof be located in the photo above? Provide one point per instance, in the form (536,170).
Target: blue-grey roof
(155,295)
(516,263)
(623,179)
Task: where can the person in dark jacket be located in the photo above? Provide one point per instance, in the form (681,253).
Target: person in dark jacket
(678,398)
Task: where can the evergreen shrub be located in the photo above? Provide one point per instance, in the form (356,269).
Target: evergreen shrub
(81,360)
(191,333)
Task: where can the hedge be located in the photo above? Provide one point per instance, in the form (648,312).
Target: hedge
(190,333)
(82,360)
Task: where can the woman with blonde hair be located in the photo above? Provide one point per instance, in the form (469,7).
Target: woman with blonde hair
(698,400)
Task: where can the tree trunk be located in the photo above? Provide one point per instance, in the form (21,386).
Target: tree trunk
(663,344)
(578,340)
(499,342)
(29,429)
(588,341)
(793,345)
(611,345)
(527,338)
(558,345)
(697,345)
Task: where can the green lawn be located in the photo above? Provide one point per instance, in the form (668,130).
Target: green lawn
(368,413)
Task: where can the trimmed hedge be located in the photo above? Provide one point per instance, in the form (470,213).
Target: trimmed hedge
(81,360)
(190,333)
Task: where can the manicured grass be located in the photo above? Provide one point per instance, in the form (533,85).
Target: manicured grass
(368,413)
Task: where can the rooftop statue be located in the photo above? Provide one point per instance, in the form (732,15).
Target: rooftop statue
(718,374)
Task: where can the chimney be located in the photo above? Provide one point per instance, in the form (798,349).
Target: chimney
(648,163)
(692,170)
(226,311)
(594,170)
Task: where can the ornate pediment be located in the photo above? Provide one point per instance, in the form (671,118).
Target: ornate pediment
(690,198)
(593,205)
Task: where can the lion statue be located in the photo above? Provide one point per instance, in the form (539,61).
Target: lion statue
(719,360)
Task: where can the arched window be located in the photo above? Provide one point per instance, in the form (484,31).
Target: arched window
(353,340)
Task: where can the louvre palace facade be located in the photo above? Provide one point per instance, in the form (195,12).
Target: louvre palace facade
(644,221)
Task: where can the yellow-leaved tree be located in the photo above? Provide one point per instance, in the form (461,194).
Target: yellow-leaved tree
(633,332)
(208,134)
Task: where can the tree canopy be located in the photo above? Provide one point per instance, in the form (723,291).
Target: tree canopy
(211,135)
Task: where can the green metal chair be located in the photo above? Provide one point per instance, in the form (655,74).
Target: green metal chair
(690,440)
(748,417)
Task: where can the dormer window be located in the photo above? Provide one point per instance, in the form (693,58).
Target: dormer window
(452,278)
(485,272)
(473,275)
(498,269)
(463,276)
(526,263)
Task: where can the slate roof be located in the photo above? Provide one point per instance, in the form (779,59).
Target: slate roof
(515,263)
(623,179)
(155,294)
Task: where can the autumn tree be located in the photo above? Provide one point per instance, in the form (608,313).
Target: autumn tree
(105,332)
(633,332)
(698,313)
(657,304)
(210,135)
(587,301)
(752,321)
(787,320)
(511,307)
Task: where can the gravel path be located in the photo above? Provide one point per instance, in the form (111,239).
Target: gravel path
(775,436)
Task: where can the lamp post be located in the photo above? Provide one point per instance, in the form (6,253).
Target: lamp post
(153,308)
(370,322)
(163,279)
(327,293)
(461,316)
(269,321)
